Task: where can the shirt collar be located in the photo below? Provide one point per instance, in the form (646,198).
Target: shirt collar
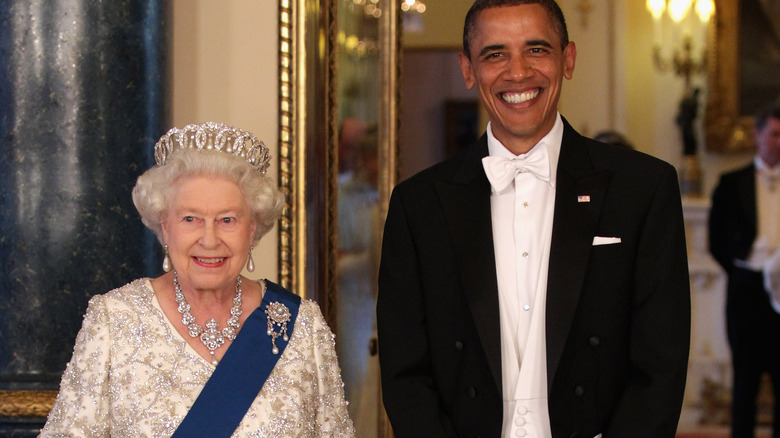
(551,141)
(764,168)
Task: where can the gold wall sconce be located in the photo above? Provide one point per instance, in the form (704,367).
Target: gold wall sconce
(682,26)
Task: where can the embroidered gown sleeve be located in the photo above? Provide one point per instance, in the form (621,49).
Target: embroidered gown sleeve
(332,414)
(81,408)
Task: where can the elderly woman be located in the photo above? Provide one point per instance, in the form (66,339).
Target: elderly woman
(202,351)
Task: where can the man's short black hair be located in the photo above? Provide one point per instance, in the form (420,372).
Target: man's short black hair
(771,111)
(479,5)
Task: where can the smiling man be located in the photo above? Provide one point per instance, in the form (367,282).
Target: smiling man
(535,284)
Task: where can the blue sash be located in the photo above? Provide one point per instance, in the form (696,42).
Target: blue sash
(241,373)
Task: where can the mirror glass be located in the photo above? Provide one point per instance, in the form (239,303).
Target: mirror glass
(339,91)
(358,114)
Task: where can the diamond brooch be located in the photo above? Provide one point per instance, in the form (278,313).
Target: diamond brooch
(278,316)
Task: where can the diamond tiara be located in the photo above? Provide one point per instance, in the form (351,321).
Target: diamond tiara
(214,136)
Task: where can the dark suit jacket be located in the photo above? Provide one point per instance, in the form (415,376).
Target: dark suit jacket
(733,223)
(733,227)
(618,316)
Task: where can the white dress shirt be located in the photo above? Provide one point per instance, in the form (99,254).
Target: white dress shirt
(522,217)
(767,215)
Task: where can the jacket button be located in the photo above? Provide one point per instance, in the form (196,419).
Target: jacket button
(594,341)
(471,392)
(579,391)
(459,345)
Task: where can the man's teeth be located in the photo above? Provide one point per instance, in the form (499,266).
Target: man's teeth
(520,97)
(202,260)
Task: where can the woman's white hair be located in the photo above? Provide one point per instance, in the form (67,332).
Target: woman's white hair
(152,191)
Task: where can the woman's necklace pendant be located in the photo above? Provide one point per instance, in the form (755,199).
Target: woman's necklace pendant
(211,337)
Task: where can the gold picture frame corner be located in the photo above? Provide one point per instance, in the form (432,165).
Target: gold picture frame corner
(726,131)
(26,404)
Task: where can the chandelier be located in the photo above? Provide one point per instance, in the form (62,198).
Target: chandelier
(690,57)
(373,8)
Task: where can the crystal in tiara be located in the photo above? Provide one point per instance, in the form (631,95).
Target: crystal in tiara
(217,137)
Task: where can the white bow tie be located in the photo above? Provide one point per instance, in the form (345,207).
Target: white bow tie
(501,171)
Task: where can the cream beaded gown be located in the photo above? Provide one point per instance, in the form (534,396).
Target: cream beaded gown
(133,375)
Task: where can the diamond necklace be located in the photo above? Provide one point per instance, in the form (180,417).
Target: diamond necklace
(211,337)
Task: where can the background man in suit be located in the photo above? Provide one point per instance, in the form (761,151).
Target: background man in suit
(744,233)
(536,283)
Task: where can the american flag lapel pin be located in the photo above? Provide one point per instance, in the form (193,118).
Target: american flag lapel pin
(583,198)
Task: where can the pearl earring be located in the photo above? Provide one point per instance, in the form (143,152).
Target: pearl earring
(250,264)
(166,260)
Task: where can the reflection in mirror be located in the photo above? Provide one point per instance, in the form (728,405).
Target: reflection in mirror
(358,55)
(338,76)
(443,117)
(746,46)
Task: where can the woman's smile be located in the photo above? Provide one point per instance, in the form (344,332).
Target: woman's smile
(211,261)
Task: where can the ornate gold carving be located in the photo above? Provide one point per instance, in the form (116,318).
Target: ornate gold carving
(26,403)
(726,130)
(390,40)
(307,150)
(331,166)
(308,139)
(291,226)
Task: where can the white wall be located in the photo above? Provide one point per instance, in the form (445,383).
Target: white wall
(587,99)
(645,100)
(615,85)
(225,69)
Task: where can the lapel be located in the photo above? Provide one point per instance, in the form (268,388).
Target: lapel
(574,225)
(747,190)
(465,197)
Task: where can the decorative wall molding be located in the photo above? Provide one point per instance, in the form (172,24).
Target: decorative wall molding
(708,392)
(26,404)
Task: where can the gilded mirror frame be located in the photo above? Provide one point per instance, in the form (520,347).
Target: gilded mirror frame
(308,153)
(26,403)
(305,129)
(308,138)
(726,130)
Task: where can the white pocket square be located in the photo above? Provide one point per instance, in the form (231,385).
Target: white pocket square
(599,240)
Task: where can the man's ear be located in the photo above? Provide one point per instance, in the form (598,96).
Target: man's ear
(569,58)
(465,68)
